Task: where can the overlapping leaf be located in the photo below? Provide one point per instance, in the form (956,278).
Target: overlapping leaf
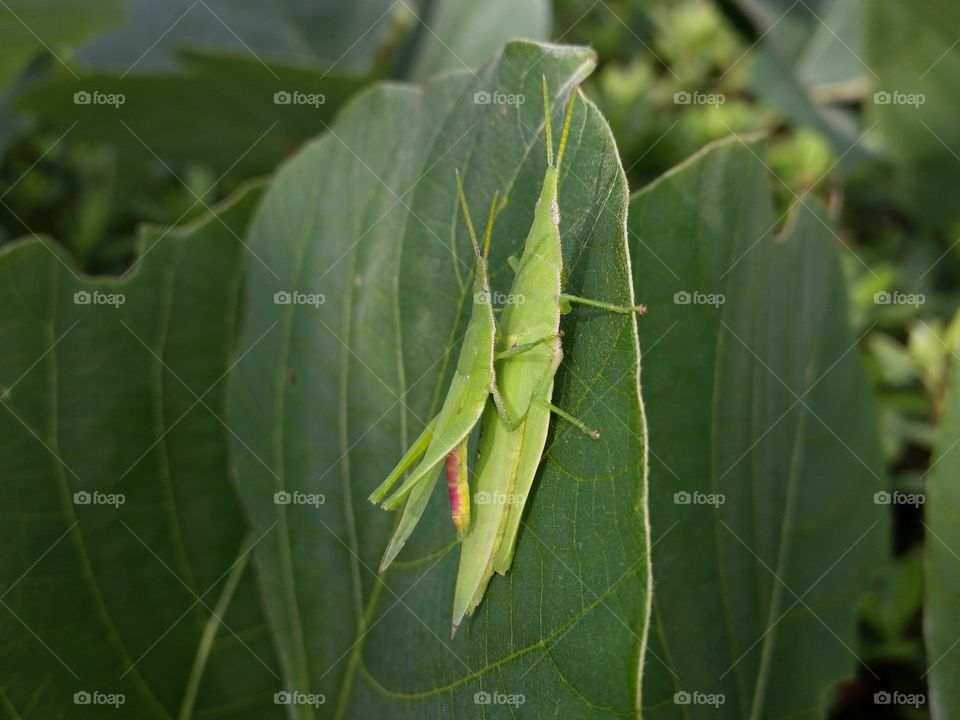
(362,287)
(764,451)
(123,546)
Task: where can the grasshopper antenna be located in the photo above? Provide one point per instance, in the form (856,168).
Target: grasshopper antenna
(546,121)
(466,214)
(488,233)
(566,127)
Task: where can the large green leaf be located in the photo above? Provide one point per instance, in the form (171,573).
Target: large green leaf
(759,398)
(126,398)
(942,563)
(367,217)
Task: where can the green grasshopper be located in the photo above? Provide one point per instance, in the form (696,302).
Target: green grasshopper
(444,439)
(514,426)
(509,452)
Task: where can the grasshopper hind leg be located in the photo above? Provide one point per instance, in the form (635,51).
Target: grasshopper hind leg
(412,455)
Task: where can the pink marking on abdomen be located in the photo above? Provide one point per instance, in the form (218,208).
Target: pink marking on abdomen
(453,480)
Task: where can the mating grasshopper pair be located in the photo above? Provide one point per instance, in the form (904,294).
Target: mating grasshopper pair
(514,363)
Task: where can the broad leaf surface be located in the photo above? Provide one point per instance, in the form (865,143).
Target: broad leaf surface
(329,400)
(129,400)
(759,398)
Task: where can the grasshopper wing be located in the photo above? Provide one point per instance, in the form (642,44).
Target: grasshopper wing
(415,452)
(497,454)
(534,439)
(460,413)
